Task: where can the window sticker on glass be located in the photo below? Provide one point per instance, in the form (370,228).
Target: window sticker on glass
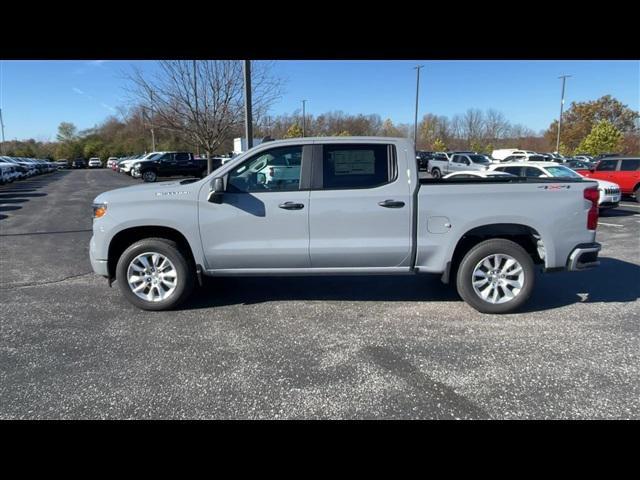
(353,162)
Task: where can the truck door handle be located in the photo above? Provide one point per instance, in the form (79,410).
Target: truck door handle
(391,204)
(291,206)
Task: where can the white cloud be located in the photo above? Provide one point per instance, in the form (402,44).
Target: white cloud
(78,91)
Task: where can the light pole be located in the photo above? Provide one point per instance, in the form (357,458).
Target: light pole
(564,79)
(415,120)
(304,118)
(248,117)
(2,125)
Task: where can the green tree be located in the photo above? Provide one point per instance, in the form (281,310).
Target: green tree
(581,117)
(67,131)
(343,133)
(294,131)
(603,138)
(439,145)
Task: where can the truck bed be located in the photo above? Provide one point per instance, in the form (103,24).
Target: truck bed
(447,210)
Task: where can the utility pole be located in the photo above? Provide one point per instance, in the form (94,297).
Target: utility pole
(415,120)
(248,117)
(564,78)
(2,125)
(304,118)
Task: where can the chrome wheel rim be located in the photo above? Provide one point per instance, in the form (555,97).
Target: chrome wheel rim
(152,277)
(498,278)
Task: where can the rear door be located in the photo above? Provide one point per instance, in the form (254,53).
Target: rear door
(360,207)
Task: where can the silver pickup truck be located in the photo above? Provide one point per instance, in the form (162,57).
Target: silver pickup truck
(357,206)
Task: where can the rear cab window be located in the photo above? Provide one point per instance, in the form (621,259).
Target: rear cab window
(357,166)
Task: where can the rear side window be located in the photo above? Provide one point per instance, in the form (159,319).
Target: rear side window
(182,157)
(607,165)
(630,165)
(357,166)
(533,172)
(511,170)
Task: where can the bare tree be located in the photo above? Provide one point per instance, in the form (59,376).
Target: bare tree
(203,100)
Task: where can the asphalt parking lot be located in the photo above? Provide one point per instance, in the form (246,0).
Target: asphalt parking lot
(298,348)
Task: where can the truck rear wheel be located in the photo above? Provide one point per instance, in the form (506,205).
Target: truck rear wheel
(153,274)
(496,276)
(149,176)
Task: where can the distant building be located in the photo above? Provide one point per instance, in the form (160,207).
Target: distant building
(240,144)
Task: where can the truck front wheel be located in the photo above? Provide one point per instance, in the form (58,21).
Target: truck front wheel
(435,173)
(496,276)
(153,274)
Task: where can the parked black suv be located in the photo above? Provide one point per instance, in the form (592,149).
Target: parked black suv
(169,164)
(79,163)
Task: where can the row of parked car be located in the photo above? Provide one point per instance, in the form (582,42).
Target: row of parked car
(18,168)
(150,166)
(616,175)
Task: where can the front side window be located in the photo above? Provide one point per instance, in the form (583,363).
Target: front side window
(607,165)
(277,169)
(356,166)
(630,165)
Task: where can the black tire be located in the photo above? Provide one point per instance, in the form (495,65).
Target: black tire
(435,173)
(636,193)
(464,278)
(185,272)
(149,176)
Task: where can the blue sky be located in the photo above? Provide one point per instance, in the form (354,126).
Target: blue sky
(35,96)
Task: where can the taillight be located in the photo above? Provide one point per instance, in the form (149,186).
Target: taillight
(593,195)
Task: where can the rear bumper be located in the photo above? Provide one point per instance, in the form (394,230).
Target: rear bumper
(583,257)
(605,205)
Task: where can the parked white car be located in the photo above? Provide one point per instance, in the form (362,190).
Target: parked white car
(503,153)
(127,165)
(94,162)
(609,192)
(8,173)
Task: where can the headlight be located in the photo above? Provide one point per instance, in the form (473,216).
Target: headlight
(99,210)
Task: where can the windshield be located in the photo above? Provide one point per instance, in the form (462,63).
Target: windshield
(479,159)
(561,171)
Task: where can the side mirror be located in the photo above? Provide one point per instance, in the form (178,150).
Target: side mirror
(592,169)
(216,193)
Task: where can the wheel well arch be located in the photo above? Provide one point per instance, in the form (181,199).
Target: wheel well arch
(524,235)
(124,238)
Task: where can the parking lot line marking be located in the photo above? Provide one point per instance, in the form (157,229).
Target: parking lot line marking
(610,224)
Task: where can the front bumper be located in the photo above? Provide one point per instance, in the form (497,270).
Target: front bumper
(584,256)
(99,266)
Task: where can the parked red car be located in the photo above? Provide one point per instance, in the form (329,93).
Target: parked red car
(625,171)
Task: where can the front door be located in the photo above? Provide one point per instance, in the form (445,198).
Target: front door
(263,220)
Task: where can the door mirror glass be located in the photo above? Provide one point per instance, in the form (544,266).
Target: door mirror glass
(216,193)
